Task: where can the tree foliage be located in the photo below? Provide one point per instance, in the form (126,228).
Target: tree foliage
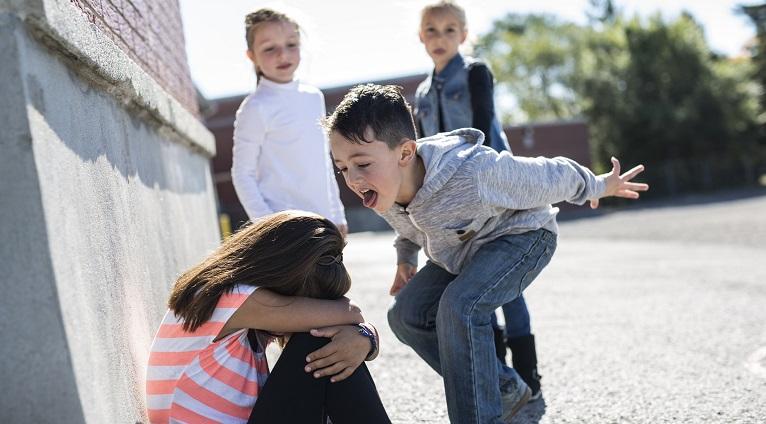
(650,89)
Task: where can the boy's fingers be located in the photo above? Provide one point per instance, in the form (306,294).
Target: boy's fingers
(594,203)
(398,284)
(635,186)
(615,165)
(632,172)
(627,194)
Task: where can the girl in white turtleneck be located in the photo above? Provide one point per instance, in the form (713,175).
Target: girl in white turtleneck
(281,158)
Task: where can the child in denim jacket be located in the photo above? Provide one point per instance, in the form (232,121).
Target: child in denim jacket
(459,94)
(486,224)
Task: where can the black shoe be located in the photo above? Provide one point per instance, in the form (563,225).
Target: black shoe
(499,344)
(524,358)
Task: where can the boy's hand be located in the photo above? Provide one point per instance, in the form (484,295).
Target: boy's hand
(341,357)
(404,272)
(619,185)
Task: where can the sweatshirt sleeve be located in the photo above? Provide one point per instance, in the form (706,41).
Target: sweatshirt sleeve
(337,210)
(406,251)
(336,206)
(249,134)
(520,183)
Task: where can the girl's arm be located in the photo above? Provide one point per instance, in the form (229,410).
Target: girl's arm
(266,310)
(481,87)
(249,134)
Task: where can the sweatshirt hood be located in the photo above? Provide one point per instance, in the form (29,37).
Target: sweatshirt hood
(442,155)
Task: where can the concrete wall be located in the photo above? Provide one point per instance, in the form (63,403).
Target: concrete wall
(105,197)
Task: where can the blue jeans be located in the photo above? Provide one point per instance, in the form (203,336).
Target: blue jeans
(516,318)
(445,318)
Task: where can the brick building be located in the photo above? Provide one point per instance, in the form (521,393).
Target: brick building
(544,139)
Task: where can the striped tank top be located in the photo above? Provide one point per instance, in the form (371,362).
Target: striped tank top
(191,379)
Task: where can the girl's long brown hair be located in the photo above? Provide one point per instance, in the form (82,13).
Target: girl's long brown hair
(292,253)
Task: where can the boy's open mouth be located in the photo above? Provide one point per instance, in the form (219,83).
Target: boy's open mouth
(369,198)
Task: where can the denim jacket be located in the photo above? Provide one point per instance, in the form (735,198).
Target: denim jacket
(451,87)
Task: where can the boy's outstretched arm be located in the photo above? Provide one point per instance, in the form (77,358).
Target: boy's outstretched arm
(620,185)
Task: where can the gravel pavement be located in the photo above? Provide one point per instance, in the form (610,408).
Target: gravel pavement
(654,314)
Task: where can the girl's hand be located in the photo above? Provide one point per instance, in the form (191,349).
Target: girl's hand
(619,185)
(343,230)
(341,357)
(404,272)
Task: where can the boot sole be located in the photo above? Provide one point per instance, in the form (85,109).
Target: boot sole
(520,404)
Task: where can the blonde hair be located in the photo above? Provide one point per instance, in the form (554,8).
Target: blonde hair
(444,6)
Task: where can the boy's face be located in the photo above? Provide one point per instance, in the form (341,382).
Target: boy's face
(276,50)
(442,34)
(371,170)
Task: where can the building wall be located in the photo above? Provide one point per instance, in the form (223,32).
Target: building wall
(105,197)
(151,33)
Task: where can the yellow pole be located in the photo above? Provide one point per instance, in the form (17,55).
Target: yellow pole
(225,223)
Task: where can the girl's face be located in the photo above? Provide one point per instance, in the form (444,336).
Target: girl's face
(442,34)
(276,50)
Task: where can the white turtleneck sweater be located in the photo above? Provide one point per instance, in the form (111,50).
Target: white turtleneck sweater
(281,158)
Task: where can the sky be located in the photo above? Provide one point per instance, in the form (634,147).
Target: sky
(362,40)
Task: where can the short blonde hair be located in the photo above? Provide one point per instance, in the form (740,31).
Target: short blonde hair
(444,6)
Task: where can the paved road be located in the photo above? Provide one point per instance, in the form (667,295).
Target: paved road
(648,315)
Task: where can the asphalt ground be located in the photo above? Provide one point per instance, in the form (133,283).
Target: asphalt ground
(652,314)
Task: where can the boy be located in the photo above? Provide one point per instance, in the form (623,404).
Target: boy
(459,93)
(485,221)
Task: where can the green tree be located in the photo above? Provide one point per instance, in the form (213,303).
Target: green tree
(651,91)
(532,57)
(757,14)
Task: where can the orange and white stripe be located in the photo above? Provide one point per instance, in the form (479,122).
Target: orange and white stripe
(191,379)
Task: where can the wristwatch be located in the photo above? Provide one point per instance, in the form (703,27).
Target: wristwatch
(366,331)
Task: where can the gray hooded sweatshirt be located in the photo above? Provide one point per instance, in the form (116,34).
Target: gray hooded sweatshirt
(472,195)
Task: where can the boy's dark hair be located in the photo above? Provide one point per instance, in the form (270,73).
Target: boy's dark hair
(381,108)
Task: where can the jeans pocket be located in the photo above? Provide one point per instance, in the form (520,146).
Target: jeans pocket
(543,253)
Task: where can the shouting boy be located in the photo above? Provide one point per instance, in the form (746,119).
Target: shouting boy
(487,226)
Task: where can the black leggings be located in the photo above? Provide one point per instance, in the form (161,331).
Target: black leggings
(291,395)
